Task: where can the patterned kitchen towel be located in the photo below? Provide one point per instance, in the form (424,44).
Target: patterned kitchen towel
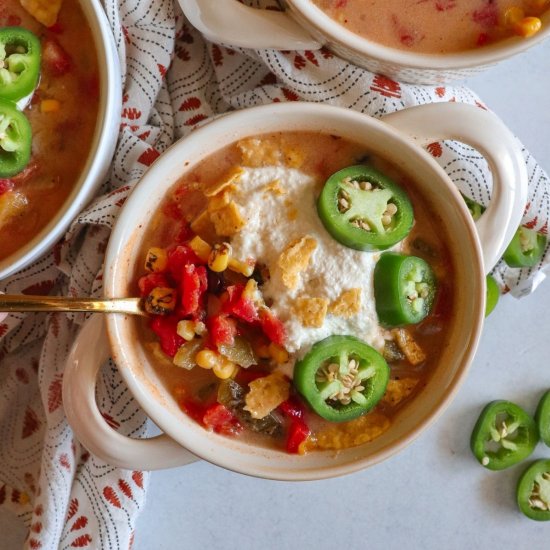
(173,80)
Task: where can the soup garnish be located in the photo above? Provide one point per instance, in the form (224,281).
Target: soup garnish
(15,139)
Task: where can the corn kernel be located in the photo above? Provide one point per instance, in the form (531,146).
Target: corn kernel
(528,26)
(218,259)
(49,106)
(160,301)
(251,292)
(200,328)
(156,259)
(226,370)
(186,329)
(244,268)
(201,248)
(278,353)
(513,15)
(207,359)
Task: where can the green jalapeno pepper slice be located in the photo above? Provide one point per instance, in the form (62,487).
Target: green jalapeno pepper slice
(492,294)
(542,418)
(503,435)
(20,54)
(365,210)
(404,289)
(533,492)
(525,249)
(15,140)
(474,207)
(341,378)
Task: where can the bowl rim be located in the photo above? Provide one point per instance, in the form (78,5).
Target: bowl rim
(125,237)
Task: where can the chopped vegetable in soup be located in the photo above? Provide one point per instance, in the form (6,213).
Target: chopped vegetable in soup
(437,26)
(49,93)
(266,319)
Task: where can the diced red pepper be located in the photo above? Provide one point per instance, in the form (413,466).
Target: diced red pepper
(185,233)
(55,58)
(298,432)
(221,420)
(193,286)
(56,28)
(6,185)
(165,327)
(272,327)
(151,281)
(221,330)
(193,409)
(239,306)
(178,258)
(293,408)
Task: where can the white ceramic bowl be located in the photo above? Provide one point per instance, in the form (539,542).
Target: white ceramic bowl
(390,138)
(101,152)
(305,26)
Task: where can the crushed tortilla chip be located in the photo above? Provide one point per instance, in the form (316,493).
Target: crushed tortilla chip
(347,304)
(399,389)
(311,311)
(44,11)
(259,152)
(227,220)
(350,434)
(413,352)
(203,227)
(266,394)
(294,158)
(295,259)
(230,179)
(216,202)
(275,188)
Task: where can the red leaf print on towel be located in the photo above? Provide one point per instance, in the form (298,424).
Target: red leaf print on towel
(64,461)
(38,510)
(30,424)
(268,79)
(183,54)
(190,104)
(111,421)
(21,374)
(544,228)
(148,156)
(111,496)
(299,62)
(386,86)
(310,56)
(131,113)
(162,69)
(41,288)
(195,120)
(290,95)
(138,479)
(2,494)
(34,544)
(36,527)
(80,542)
(125,488)
(3,329)
(326,53)
(440,91)
(217,55)
(532,223)
(54,393)
(73,508)
(435,149)
(79,523)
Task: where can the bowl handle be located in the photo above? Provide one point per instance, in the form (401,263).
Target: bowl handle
(233,24)
(487,133)
(89,352)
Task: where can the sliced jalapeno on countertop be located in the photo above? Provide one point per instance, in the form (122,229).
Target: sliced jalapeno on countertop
(525,249)
(19,63)
(474,207)
(404,289)
(533,492)
(542,418)
(492,294)
(341,378)
(15,140)
(364,209)
(503,435)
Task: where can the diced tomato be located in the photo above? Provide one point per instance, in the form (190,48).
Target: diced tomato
(56,28)
(482,39)
(487,16)
(6,185)
(172,210)
(193,409)
(55,58)
(293,408)
(239,306)
(165,327)
(245,376)
(193,286)
(185,233)
(272,327)
(178,258)
(221,330)
(221,420)
(151,281)
(298,432)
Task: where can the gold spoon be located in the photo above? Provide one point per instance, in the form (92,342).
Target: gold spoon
(131,306)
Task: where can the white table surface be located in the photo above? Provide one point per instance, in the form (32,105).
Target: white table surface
(433,495)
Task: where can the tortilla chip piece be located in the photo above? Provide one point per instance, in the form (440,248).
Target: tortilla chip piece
(275,188)
(294,158)
(399,389)
(227,220)
(44,11)
(295,259)
(259,152)
(413,352)
(347,304)
(217,202)
(266,394)
(311,311)
(203,227)
(231,178)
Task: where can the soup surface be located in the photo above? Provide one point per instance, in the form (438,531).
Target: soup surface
(62,113)
(248,285)
(436,26)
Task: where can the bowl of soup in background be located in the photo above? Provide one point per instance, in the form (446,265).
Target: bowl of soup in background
(305,25)
(74,115)
(472,252)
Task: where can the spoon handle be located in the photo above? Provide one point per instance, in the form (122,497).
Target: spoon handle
(23,302)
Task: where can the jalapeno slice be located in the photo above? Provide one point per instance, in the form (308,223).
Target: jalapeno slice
(404,289)
(525,249)
(542,418)
(533,492)
(19,63)
(15,140)
(364,209)
(474,207)
(341,378)
(492,294)
(504,435)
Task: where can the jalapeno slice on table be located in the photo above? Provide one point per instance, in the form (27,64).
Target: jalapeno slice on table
(503,435)
(533,492)
(15,140)
(542,418)
(474,207)
(525,249)
(20,54)
(364,209)
(341,378)
(492,294)
(404,289)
